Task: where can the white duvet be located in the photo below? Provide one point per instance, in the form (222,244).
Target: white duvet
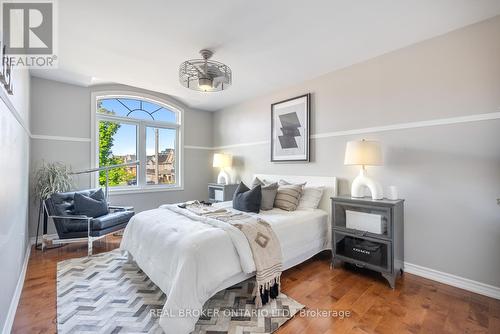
(190,257)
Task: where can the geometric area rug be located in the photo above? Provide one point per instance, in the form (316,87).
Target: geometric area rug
(105,293)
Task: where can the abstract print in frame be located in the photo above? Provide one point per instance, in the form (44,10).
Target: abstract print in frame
(290,129)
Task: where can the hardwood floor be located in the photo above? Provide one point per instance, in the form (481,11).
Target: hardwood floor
(417,305)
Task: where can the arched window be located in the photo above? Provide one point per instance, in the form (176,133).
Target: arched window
(138,128)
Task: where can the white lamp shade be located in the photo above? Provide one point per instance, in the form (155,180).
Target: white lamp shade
(363,152)
(222,160)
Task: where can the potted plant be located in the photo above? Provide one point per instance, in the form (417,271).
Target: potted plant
(50,178)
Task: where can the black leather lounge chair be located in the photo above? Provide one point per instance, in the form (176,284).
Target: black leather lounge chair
(72,227)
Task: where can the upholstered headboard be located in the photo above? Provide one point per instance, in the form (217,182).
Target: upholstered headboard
(329,182)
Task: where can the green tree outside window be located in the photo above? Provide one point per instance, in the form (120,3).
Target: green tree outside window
(107,131)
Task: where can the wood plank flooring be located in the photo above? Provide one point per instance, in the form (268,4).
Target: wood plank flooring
(417,305)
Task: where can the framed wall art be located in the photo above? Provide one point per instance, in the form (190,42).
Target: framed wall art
(290,129)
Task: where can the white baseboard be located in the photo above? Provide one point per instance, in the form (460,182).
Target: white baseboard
(9,321)
(453,280)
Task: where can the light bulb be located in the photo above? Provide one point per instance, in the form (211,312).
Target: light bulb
(205,84)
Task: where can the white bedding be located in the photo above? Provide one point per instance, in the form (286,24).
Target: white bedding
(191,260)
(298,231)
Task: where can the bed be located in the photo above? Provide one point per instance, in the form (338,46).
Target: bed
(190,260)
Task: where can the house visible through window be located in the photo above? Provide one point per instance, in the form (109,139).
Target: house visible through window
(133,129)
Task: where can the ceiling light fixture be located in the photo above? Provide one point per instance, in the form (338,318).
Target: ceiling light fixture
(205,75)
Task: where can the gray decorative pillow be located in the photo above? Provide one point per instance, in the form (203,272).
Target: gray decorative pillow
(247,200)
(269,191)
(91,206)
(288,196)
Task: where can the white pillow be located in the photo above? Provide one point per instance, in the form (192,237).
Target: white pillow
(311,196)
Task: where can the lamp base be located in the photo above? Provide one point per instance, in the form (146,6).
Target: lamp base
(363,180)
(223,177)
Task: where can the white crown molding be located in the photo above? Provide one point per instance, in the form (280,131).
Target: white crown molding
(453,280)
(11,314)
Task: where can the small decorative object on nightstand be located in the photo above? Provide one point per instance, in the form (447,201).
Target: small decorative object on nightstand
(221,192)
(369,234)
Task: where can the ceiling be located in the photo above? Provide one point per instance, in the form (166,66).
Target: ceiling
(268,44)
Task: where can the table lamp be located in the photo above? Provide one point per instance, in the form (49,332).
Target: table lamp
(222,161)
(364,153)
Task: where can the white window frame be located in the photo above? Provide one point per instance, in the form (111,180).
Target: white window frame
(141,186)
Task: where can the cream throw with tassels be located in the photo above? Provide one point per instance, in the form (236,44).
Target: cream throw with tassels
(265,246)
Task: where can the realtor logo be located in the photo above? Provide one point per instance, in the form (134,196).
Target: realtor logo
(28,28)
(29,35)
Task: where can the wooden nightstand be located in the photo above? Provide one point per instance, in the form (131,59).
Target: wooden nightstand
(221,192)
(382,248)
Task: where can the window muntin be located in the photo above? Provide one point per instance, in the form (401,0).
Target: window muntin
(153,123)
(136,109)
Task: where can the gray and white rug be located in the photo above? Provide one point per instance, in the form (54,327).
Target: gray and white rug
(106,294)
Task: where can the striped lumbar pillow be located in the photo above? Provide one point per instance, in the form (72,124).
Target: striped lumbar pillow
(288,196)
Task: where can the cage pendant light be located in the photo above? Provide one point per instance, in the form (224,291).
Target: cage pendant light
(205,75)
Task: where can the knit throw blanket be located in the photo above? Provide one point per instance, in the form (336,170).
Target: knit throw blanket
(265,246)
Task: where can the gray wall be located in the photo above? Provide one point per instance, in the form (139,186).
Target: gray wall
(14,167)
(448,174)
(64,110)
